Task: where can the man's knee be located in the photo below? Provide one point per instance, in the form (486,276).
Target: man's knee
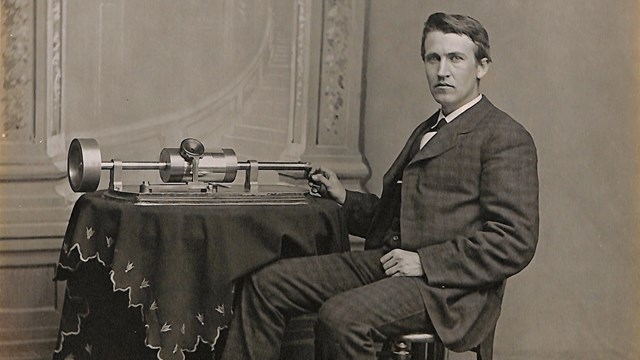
(266,279)
(334,316)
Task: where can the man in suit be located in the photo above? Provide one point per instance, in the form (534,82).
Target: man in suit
(458,215)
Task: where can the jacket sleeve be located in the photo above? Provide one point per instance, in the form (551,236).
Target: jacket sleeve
(506,241)
(359,209)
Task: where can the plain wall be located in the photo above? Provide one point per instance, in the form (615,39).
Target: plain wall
(567,70)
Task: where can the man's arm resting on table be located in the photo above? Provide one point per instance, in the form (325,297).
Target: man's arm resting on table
(358,207)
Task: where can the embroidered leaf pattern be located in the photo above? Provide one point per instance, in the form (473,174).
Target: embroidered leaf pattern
(200,318)
(65,247)
(154,305)
(183,330)
(220,309)
(144,284)
(175,349)
(70,357)
(166,327)
(129,267)
(109,241)
(88,348)
(90,233)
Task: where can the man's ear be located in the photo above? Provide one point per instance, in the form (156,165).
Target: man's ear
(483,68)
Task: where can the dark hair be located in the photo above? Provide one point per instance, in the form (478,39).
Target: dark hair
(461,25)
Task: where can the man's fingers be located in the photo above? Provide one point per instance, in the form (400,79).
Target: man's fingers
(329,174)
(395,270)
(386,257)
(315,171)
(399,262)
(319,170)
(320,178)
(389,264)
(392,270)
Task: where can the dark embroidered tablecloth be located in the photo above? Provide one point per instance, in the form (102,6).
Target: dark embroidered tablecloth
(157,281)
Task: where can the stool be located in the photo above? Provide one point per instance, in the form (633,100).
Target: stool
(425,346)
(416,349)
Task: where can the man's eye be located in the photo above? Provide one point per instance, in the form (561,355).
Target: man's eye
(456,58)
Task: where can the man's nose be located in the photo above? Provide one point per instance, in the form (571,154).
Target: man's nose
(443,68)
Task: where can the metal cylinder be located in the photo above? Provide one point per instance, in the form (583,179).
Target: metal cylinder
(221,166)
(84,165)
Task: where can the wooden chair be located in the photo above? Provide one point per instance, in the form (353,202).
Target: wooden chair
(419,346)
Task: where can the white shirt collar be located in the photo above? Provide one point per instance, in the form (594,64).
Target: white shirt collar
(449,118)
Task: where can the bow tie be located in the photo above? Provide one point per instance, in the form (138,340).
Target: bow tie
(437,126)
(431,128)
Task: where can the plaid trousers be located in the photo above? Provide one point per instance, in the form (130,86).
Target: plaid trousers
(356,302)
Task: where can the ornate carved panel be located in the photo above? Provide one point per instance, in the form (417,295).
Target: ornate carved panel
(54,70)
(338,16)
(30,98)
(18,71)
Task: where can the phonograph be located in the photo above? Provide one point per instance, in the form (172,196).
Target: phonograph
(189,174)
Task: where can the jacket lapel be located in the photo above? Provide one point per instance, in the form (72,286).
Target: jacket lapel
(395,171)
(447,137)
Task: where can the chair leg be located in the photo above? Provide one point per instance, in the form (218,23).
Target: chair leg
(435,351)
(419,351)
(401,351)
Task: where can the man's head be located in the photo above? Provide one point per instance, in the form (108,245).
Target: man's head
(455,50)
(461,25)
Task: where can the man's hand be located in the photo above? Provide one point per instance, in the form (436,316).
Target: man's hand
(399,262)
(326,183)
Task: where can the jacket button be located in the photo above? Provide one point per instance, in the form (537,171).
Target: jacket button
(395,238)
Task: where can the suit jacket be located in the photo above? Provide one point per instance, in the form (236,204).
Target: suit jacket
(469,207)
